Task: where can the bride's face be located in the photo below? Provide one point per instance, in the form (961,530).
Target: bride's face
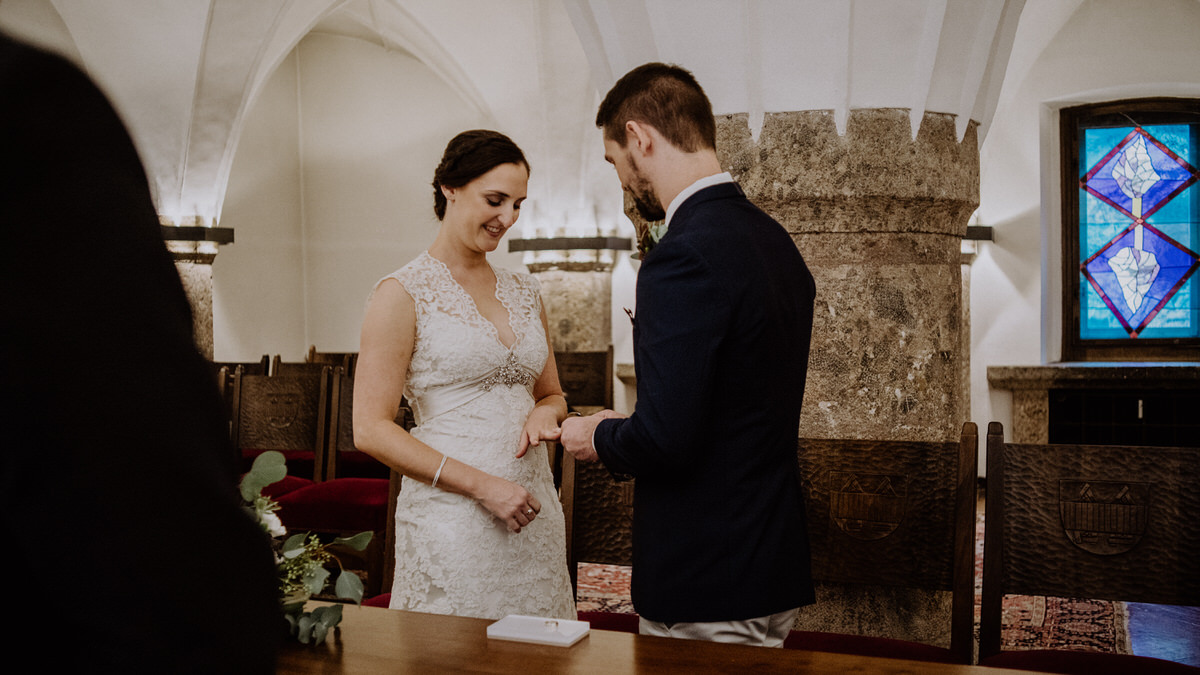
(482,211)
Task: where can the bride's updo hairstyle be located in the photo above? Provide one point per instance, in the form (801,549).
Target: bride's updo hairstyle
(468,156)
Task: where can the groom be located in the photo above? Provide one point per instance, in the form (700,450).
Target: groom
(721,339)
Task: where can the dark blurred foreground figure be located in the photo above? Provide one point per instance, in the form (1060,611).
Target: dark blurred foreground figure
(124,538)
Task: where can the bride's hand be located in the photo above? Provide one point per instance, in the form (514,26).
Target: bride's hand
(510,503)
(542,425)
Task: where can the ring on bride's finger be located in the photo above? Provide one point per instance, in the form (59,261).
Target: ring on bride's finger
(529,512)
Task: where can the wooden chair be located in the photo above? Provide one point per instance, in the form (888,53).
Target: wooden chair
(259,367)
(354,493)
(1087,521)
(598,510)
(599,523)
(281,367)
(223,374)
(284,413)
(346,360)
(586,378)
(887,515)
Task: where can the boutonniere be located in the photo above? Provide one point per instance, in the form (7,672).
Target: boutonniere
(648,237)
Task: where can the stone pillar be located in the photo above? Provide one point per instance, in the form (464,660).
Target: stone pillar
(578,305)
(196,275)
(879,218)
(194,248)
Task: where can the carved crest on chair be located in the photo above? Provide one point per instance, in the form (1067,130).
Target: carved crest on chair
(1103,517)
(867,506)
(280,409)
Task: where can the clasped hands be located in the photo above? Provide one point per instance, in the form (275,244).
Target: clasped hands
(575,434)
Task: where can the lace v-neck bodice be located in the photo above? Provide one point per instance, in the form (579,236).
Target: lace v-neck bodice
(455,342)
(471,395)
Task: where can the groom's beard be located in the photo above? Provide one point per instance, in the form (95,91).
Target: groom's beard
(644,199)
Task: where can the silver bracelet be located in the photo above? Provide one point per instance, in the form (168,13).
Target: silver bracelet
(438,475)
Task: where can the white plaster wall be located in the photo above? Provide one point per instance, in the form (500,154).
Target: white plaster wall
(329,191)
(258,282)
(1105,50)
(374,124)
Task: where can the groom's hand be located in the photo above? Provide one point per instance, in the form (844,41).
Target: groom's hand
(577,433)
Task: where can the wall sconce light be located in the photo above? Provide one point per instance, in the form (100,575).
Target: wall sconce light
(574,254)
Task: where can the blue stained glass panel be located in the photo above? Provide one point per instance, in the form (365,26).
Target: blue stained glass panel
(1138,233)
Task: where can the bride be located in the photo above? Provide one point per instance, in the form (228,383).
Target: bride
(479,528)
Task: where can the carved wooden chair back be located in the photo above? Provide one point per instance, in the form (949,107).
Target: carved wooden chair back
(895,514)
(288,413)
(1087,521)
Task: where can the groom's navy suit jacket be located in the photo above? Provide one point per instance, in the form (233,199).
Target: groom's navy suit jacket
(721,340)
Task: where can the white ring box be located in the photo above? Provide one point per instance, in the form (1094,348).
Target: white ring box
(538,630)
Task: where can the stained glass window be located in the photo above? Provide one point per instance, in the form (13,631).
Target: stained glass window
(1134,230)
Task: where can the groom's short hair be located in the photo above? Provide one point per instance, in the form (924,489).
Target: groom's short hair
(665,97)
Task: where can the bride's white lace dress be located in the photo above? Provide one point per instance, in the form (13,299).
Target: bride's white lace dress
(470,396)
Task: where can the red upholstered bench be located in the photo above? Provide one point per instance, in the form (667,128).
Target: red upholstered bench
(339,505)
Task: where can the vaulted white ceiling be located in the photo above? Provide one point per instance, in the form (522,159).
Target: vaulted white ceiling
(183,73)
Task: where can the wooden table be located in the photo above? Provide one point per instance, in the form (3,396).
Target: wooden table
(377,640)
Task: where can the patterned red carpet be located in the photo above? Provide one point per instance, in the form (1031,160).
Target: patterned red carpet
(1030,622)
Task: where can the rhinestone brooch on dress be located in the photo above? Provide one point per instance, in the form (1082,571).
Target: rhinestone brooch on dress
(508,374)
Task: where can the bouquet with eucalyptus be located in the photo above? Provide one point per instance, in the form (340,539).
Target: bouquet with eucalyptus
(301,559)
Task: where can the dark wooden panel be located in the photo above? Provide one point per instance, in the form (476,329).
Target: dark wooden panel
(279,413)
(1105,522)
(881,512)
(602,531)
(586,378)
(1110,416)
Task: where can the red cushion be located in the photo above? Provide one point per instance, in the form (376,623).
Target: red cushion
(864,645)
(381,600)
(337,505)
(617,621)
(359,464)
(1071,662)
(289,483)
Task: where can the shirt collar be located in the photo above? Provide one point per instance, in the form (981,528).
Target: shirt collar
(707,181)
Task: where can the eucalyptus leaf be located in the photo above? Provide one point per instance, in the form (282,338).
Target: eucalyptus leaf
(294,543)
(305,628)
(358,542)
(320,630)
(325,617)
(269,467)
(330,615)
(349,586)
(315,580)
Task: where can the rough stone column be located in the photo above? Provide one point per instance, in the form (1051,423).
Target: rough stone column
(879,218)
(195,271)
(578,299)
(194,248)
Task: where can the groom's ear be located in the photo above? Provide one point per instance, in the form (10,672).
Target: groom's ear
(639,137)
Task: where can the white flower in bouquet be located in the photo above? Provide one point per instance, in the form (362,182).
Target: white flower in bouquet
(272,524)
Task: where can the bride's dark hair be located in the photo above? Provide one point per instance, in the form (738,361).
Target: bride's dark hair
(468,156)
